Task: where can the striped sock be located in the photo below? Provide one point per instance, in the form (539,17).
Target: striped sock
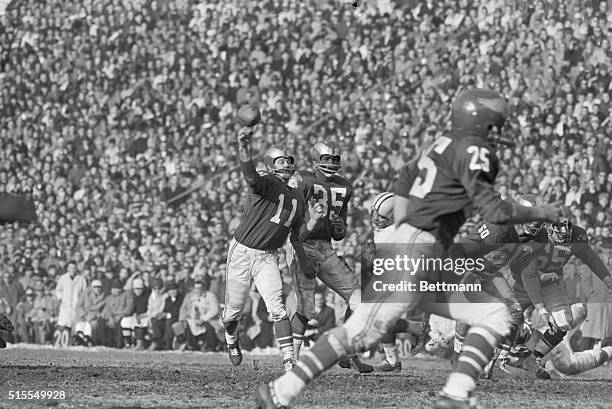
(323,355)
(282,329)
(477,352)
(298,326)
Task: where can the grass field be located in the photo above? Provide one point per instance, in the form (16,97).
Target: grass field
(123,379)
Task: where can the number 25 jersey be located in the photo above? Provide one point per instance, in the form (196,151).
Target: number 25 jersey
(450,178)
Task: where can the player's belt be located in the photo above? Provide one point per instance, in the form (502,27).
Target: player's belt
(248,250)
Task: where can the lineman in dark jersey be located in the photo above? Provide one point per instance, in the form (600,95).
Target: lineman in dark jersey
(326,187)
(273,211)
(457,173)
(539,282)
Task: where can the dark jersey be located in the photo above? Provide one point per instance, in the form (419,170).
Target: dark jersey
(335,193)
(272,211)
(498,245)
(452,177)
(548,260)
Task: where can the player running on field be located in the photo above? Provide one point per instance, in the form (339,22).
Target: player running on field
(541,283)
(326,187)
(456,173)
(273,211)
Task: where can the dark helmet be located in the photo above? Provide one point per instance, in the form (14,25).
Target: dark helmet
(325,148)
(561,232)
(529,200)
(275,152)
(478,111)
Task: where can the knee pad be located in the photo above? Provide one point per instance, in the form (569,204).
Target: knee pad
(299,323)
(230,326)
(279,315)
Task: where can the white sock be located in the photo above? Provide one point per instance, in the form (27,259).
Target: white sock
(458,346)
(297,345)
(391,354)
(230,338)
(287,387)
(459,385)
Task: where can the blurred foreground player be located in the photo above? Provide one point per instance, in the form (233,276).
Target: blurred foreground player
(273,211)
(14,209)
(456,174)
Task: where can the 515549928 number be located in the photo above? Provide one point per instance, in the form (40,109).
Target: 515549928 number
(30,395)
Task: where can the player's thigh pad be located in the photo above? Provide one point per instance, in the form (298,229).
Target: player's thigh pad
(557,303)
(338,276)
(238,281)
(266,275)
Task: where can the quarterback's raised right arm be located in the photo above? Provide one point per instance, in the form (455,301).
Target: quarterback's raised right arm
(255,183)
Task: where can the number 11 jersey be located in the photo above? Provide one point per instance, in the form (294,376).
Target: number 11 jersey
(452,177)
(272,211)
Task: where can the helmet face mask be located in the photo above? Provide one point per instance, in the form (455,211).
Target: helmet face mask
(280,162)
(562,232)
(381,213)
(326,158)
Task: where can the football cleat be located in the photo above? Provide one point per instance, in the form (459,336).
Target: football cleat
(354,362)
(234,353)
(266,399)
(451,402)
(520,351)
(385,366)
(288,364)
(6,324)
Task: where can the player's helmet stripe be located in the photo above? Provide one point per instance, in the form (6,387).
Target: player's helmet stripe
(382,199)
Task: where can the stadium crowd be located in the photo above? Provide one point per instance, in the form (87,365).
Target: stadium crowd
(110,111)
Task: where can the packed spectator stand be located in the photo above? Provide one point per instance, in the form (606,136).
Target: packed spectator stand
(118,118)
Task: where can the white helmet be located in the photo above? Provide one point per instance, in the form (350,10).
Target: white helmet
(381,213)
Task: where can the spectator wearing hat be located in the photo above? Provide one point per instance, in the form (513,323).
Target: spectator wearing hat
(199,315)
(155,308)
(43,313)
(89,314)
(134,326)
(24,330)
(69,288)
(119,304)
(161,325)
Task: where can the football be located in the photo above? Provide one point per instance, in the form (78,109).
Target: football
(248,115)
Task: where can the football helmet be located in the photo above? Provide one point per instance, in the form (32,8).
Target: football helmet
(326,148)
(381,212)
(480,112)
(276,152)
(528,200)
(561,232)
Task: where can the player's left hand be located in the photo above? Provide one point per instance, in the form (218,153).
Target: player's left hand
(339,228)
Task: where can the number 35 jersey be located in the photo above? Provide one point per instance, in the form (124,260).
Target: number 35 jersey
(335,193)
(452,177)
(272,211)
